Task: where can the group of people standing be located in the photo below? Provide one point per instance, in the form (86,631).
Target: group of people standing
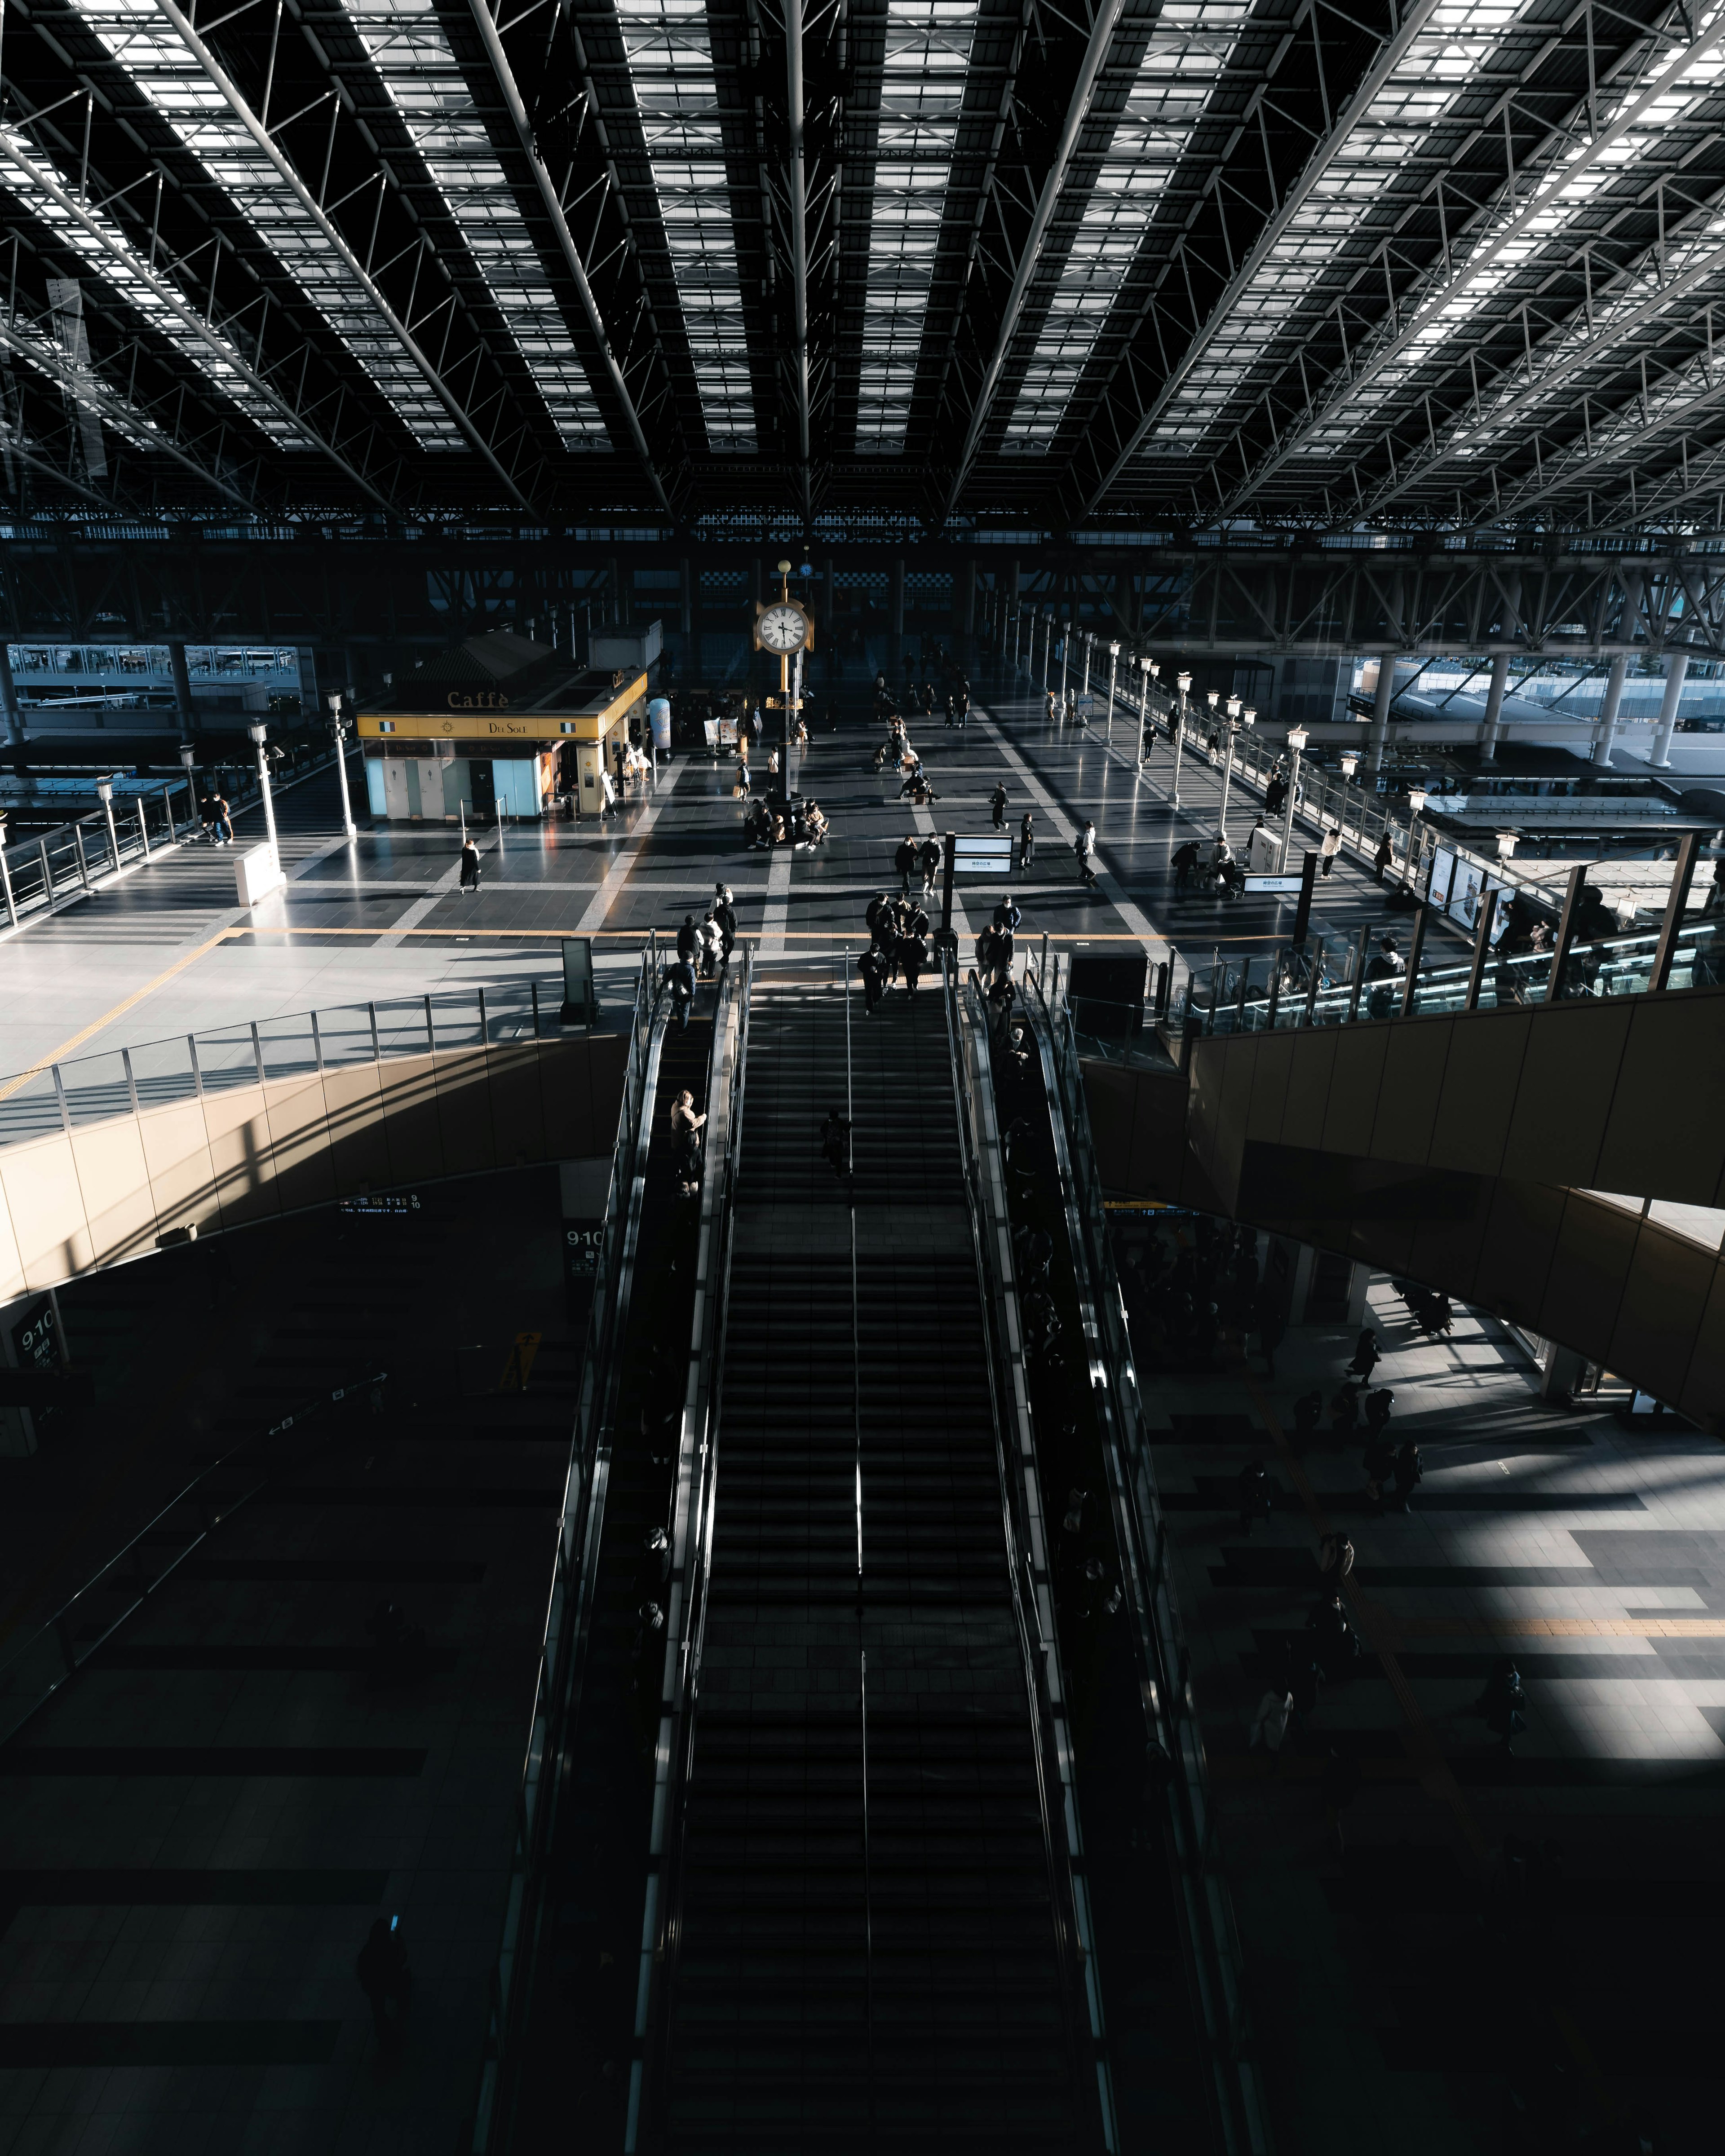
(898,944)
(704,947)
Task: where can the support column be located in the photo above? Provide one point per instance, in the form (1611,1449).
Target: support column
(829,627)
(896,616)
(1605,731)
(967,611)
(1380,710)
(182,689)
(1676,667)
(1494,707)
(8,699)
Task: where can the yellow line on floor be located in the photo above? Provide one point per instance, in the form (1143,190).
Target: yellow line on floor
(1561,1627)
(59,1054)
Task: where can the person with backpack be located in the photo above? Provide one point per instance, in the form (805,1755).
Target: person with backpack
(997,804)
(1084,847)
(1184,862)
(872,966)
(932,854)
(905,861)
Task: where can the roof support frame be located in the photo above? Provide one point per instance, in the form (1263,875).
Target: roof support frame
(1444,282)
(240,106)
(1328,147)
(1096,55)
(199,323)
(504,72)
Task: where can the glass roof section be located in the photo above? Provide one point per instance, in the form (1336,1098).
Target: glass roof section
(143,40)
(1187,49)
(118,264)
(413,57)
(922,87)
(1459,42)
(1564,200)
(671,63)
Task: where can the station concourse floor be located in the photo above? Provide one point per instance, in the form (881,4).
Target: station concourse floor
(1407,1994)
(166,952)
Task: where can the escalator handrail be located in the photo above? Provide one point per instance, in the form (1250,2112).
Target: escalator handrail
(691,1562)
(569,1603)
(1213,1941)
(1029,1558)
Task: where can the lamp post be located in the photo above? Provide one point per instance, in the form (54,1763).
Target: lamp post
(339,733)
(1297,739)
(1147,667)
(1113,664)
(104,794)
(1247,717)
(259,736)
(1184,683)
(1065,657)
(1048,638)
(1350,763)
(1084,690)
(188,757)
(1416,804)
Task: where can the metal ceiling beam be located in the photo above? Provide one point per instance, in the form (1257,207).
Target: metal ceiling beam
(1096,55)
(511,90)
(1654,308)
(1390,56)
(241,108)
(88,387)
(1401,332)
(798,179)
(1632,441)
(132,265)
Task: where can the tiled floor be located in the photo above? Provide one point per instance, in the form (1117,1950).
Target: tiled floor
(380,916)
(1595,1557)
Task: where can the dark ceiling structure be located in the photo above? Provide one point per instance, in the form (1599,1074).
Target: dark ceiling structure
(928,268)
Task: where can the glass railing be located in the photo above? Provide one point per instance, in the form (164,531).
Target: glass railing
(1335,981)
(121,1081)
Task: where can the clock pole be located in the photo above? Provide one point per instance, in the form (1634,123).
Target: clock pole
(785,695)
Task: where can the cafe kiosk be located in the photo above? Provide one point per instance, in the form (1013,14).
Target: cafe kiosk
(498,727)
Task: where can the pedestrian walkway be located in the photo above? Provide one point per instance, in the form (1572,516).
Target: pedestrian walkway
(1481,1920)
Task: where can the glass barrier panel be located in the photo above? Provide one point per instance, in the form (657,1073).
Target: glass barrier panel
(402,1029)
(288,1049)
(227,1059)
(346,1035)
(456,1019)
(1615,965)
(1699,960)
(96,1089)
(32,1111)
(162,1070)
(1440,989)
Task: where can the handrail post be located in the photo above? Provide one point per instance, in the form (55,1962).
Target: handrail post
(131,1083)
(1481,947)
(1566,932)
(5,890)
(1416,945)
(1672,928)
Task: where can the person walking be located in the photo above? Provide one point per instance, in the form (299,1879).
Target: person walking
(1084,847)
(1335,1556)
(688,939)
(932,855)
(963,702)
(1409,1472)
(1255,1489)
(1365,1355)
(912,958)
(1384,856)
(905,860)
(1328,848)
(223,818)
(724,919)
(387,1981)
(872,966)
(1053,702)
(686,1129)
(1027,840)
(470,865)
(997,802)
(835,1142)
(1184,862)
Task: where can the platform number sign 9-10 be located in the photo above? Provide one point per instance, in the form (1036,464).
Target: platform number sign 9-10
(36,1340)
(581,1248)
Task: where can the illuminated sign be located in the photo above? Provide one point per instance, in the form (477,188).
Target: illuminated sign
(487,700)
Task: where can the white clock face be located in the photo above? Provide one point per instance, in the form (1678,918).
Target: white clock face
(784,628)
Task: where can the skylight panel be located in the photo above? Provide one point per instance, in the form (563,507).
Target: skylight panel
(671,64)
(1186,50)
(416,66)
(928,45)
(138,36)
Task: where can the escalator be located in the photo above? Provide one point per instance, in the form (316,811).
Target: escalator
(863,1930)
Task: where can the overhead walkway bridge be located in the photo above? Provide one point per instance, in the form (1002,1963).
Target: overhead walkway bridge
(1560,1164)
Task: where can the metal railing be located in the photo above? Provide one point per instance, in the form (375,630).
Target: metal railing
(691,1558)
(123,1081)
(1142,1532)
(57,1650)
(47,868)
(569,1606)
(1028,1557)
